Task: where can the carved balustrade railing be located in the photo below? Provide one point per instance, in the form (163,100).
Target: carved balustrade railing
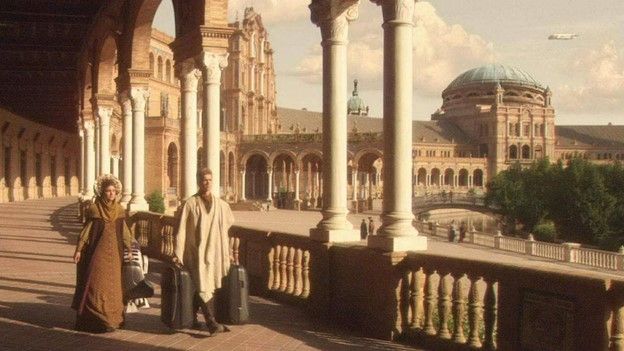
(459,304)
(566,252)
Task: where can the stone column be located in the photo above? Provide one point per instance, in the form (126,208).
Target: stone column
(139,97)
(270,185)
(397,232)
(98,137)
(126,105)
(115,165)
(104,114)
(189,77)
(354,188)
(297,185)
(89,133)
(242,195)
(333,17)
(82,161)
(212,63)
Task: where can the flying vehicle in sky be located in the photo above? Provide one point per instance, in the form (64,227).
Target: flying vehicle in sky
(562,36)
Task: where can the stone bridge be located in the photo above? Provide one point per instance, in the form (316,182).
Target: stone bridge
(469,202)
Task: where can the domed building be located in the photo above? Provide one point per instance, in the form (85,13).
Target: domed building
(505,111)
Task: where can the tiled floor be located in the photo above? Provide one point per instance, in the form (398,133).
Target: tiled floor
(37,278)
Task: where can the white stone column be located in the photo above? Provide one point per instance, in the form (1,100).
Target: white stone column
(104,114)
(115,165)
(397,232)
(354,184)
(98,136)
(83,153)
(212,63)
(126,106)
(333,17)
(189,77)
(139,98)
(270,186)
(242,194)
(297,185)
(89,133)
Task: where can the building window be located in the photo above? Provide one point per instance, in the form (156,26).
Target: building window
(160,68)
(526,152)
(164,104)
(527,129)
(513,152)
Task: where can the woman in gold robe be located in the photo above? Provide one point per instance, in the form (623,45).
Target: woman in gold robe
(98,299)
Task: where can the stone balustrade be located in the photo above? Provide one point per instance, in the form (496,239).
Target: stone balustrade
(566,252)
(428,300)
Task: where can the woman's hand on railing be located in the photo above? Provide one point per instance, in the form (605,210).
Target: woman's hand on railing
(77,257)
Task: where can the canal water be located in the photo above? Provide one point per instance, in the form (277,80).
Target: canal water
(481,222)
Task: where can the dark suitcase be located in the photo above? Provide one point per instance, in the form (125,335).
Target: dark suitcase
(177,292)
(232,305)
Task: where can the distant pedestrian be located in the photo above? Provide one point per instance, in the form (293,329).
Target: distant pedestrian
(371,226)
(452,231)
(462,232)
(363,229)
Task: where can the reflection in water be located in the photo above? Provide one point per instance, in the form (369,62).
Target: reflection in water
(481,222)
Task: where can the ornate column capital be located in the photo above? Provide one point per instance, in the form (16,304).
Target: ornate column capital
(139,97)
(125,102)
(397,11)
(333,17)
(89,126)
(213,63)
(188,74)
(104,113)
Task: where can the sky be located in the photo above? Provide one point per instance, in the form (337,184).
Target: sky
(586,74)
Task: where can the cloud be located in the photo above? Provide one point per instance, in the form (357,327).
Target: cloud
(272,11)
(601,72)
(441,51)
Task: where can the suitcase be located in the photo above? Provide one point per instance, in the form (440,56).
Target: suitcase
(177,293)
(232,305)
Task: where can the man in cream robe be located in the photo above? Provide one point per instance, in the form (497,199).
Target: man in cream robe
(202,244)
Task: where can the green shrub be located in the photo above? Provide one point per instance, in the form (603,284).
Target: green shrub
(156,202)
(545,231)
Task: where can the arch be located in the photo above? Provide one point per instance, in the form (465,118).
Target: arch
(526,152)
(168,71)
(276,154)
(363,152)
(304,153)
(449,175)
(421,176)
(256,177)
(513,152)
(477,177)
(172,165)
(159,68)
(106,61)
(539,152)
(435,177)
(252,153)
(463,177)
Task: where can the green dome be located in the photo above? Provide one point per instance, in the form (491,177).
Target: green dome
(356,105)
(494,73)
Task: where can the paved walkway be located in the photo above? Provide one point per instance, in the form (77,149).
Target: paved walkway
(286,221)
(37,279)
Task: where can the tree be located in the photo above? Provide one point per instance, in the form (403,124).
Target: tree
(156,202)
(579,202)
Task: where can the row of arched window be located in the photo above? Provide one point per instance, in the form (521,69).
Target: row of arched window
(524,152)
(161,69)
